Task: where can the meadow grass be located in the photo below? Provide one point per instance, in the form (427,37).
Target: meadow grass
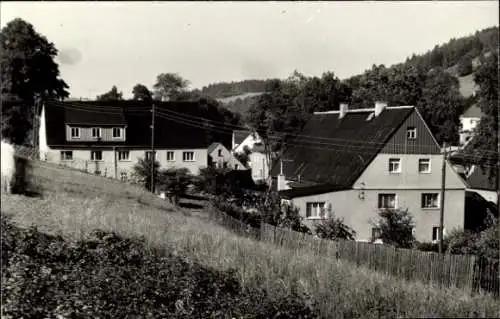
(74,204)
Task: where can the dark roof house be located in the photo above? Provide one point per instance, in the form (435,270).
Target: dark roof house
(171,131)
(239,136)
(330,153)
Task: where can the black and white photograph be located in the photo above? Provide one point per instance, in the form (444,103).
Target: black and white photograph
(250,159)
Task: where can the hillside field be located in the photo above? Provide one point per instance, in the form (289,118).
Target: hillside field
(287,284)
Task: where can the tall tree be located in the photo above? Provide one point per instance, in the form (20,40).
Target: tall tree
(484,144)
(441,105)
(29,72)
(169,86)
(112,95)
(141,92)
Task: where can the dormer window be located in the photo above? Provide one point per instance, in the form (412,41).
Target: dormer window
(96,132)
(117,132)
(411,133)
(75,132)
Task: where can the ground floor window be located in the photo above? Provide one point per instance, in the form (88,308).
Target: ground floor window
(123,176)
(66,155)
(315,209)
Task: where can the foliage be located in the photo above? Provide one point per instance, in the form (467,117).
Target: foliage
(396,227)
(174,181)
(120,278)
(112,95)
(241,105)
(28,72)
(483,147)
(143,170)
(334,228)
(464,66)
(169,86)
(244,156)
(224,89)
(450,53)
(141,92)
(441,105)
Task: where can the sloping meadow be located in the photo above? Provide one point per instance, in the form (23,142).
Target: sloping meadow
(151,260)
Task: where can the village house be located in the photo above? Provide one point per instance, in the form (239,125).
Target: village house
(221,157)
(258,162)
(353,163)
(109,138)
(469,120)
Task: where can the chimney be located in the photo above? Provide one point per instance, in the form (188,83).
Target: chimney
(344,107)
(379,107)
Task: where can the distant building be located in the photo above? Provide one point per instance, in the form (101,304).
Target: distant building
(469,120)
(354,163)
(221,157)
(258,162)
(108,138)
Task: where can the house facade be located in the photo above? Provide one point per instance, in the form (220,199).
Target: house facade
(258,161)
(109,138)
(221,157)
(354,163)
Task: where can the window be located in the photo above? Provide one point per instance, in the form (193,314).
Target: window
(315,210)
(123,176)
(236,166)
(96,155)
(376,233)
(188,156)
(424,165)
(96,132)
(435,233)
(170,156)
(66,155)
(220,152)
(386,201)
(148,155)
(75,132)
(117,132)
(124,156)
(430,200)
(411,133)
(394,165)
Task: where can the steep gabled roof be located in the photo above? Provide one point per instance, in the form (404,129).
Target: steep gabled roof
(213,146)
(473,111)
(169,132)
(481,178)
(240,135)
(335,151)
(106,117)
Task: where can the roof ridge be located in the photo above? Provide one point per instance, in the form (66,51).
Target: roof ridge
(398,107)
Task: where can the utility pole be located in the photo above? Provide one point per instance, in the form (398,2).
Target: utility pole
(152,148)
(498,159)
(115,162)
(35,122)
(441,205)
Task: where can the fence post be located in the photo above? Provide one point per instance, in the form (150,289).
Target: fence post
(86,166)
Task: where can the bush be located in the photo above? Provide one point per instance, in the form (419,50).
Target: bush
(396,227)
(464,66)
(334,228)
(174,181)
(108,276)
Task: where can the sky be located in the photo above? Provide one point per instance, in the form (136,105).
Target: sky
(102,44)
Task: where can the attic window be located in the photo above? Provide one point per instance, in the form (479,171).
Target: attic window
(370,117)
(75,132)
(411,133)
(117,132)
(96,132)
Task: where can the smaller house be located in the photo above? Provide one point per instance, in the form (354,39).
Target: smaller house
(258,163)
(258,160)
(244,138)
(469,120)
(221,157)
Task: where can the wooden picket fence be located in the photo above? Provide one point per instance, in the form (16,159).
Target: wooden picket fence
(414,265)
(460,271)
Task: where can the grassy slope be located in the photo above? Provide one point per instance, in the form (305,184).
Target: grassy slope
(74,204)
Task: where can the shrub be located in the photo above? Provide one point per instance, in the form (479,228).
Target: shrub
(464,66)
(334,228)
(174,181)
(142,169)
(112,277)
(396,227)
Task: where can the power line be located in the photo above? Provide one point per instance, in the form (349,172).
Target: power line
(222,127)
